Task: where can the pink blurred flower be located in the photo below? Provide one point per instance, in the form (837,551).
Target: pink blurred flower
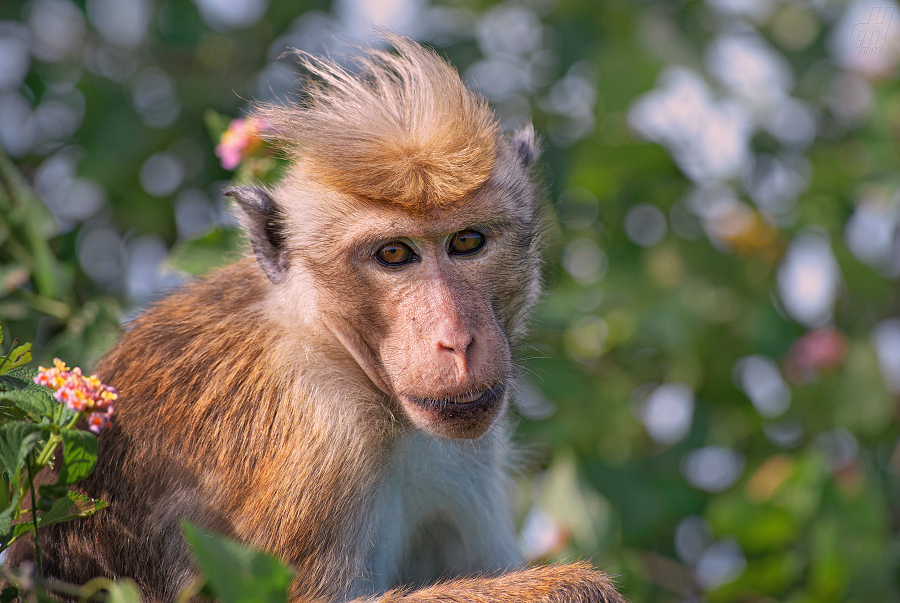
(817,351)
(239,141)
(79,393)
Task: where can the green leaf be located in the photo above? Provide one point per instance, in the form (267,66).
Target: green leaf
(22,528)
(216,248)
(5,526)
(9,594)
(35,402)
(18,357)
(237,573)
(17,439)
(79,455)
(72,506)
(123,591)
(23,376)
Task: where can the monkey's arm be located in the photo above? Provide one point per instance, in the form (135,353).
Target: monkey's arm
(572,583)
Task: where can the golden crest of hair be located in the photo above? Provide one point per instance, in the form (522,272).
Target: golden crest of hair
(401,129)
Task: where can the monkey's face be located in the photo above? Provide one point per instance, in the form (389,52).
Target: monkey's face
(424,303)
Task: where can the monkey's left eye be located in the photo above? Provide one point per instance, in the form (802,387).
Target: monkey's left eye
(466,242)
(395,254)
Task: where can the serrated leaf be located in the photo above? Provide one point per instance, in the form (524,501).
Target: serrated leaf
(25,373)
(238,573)
(79,456)
(17,440)
(72,506)
(35,402)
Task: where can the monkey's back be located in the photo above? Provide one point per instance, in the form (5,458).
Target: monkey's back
(208,426)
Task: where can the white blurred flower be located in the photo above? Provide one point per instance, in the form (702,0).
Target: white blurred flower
(809,279)
(751,70)
(645,224)
(70,198)
(667,413)
(754,10)
(17,129)
(57,29)
(194,213)
(122,22)
(585,261)
(708,139)
(499,78)
(713,468)
(873,233)
(721,563)
(15,54)
(692,536)
(792,122)
(508,29)
(161,174)
(224,15)
(541,534)
(144,277)
(774,183)
(850,97)
(310,32)
(759,378)
(866,39)
(101,254)
(153,92)
(361,18)
(886,341)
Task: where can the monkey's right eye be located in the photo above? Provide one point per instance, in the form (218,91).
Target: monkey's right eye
(395,254)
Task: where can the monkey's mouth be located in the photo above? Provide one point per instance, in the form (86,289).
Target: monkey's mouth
(454,407)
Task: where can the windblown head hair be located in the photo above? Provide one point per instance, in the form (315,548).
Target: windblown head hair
(403,130)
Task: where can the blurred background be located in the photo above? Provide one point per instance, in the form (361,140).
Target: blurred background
(710,398)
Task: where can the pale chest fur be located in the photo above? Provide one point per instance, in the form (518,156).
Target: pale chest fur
(441,509)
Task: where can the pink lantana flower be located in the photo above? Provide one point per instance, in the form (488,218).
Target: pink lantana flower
(79,393)
(239,141)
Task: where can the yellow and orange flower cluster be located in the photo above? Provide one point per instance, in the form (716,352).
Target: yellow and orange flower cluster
(79,393)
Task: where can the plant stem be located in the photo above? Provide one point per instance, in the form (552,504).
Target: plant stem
(11,348)
(34,520)
(44,457)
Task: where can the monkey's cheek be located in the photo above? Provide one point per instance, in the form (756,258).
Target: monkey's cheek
(456,420)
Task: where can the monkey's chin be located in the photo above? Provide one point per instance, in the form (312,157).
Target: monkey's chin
(466,417)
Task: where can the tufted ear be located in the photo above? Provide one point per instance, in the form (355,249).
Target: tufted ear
(264,224)
(524,146)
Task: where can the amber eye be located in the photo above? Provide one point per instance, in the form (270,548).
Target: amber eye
(395,254)
(466,242)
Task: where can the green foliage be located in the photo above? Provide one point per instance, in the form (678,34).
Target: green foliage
(236,573)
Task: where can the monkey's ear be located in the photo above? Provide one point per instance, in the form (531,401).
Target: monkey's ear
(524,146)
(264,224)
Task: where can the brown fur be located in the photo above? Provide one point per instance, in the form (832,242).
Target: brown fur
(323,407)
(407,131)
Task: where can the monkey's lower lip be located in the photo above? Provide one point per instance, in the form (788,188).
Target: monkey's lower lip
(467,402)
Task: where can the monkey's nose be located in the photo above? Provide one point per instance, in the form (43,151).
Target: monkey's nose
(458,345)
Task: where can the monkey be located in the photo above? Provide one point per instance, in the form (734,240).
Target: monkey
(339,397)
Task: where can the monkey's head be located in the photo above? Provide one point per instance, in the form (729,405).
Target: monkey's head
(408,230)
